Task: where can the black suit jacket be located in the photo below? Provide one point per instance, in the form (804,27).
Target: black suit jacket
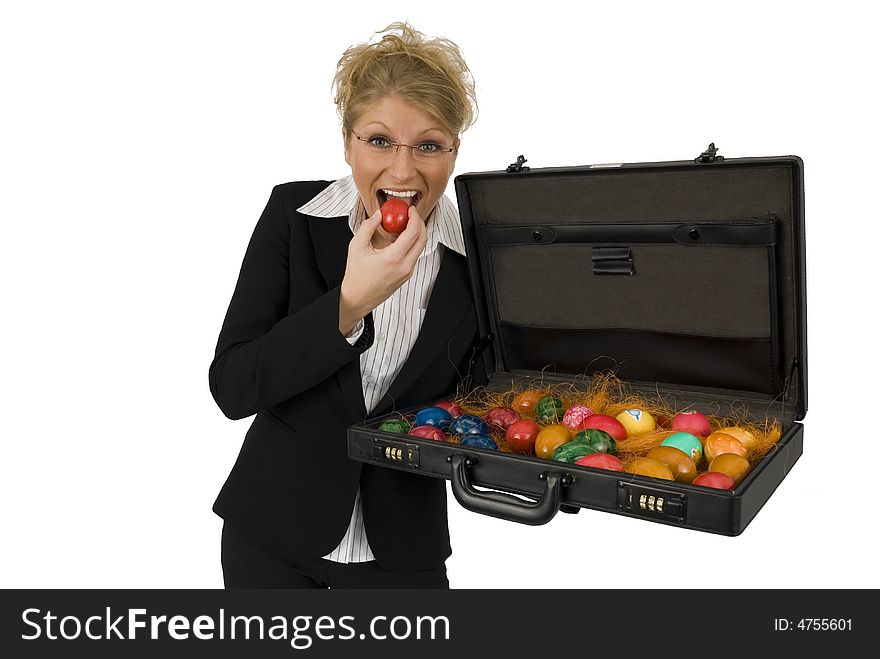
(280,356)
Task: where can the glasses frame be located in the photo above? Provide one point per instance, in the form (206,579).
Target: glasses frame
(397,145)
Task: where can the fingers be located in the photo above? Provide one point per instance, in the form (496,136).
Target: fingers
(367,228)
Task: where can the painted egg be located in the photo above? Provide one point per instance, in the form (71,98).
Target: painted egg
(597,439)
(604,422)
(521,436)
(714,479)
(692,422)
(501,417)
(469,424)
(428,432)
(746,437)
(479,441)
(650,467)
(551,438)
(600,461)
(686,442)
(720,442)
(549,409)
(735,466)
(454,409)
(575,414)
(680,464)
(524,403)
(636,421)
(395,425)
(433,416)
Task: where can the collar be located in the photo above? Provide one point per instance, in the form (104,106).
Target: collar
(341,198)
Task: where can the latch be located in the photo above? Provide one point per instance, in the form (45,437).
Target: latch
(612,261)
(709,155)
(518,165)
(651,502)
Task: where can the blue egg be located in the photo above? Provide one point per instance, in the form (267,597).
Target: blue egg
(469,424)
(433,416)
(479,441)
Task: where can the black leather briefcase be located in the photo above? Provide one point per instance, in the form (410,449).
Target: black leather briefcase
(686,278)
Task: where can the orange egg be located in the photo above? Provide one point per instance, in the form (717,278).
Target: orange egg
(735,466)
(720,442)
(551,438)
(746,437)
(650,467)
(680,464)
(524,403)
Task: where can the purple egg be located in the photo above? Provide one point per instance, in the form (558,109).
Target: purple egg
(469,424)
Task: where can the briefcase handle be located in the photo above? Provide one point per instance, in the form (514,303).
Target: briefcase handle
(506,506)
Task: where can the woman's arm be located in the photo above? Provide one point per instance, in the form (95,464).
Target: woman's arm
(265,356)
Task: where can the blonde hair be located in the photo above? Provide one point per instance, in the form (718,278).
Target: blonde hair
(429,73)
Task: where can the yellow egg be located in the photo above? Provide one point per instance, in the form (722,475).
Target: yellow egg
(551,438)
(746,437)
(731,464)
(636,421)
(680,464)
(650,467)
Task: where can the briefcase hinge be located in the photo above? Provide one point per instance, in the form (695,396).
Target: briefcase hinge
(709,155)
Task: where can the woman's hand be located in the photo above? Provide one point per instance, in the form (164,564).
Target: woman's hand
(372,275)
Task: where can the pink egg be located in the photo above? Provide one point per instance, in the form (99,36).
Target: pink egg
(692,422)
(428,432)
(501,417)
(454,409)
(575,415)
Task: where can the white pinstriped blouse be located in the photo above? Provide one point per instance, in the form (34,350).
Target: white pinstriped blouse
(396,321)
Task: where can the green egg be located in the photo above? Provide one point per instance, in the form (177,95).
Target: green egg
(395,425)
(549,409)
(686,442)
(599,440)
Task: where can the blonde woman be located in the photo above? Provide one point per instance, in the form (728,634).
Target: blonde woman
(334,319)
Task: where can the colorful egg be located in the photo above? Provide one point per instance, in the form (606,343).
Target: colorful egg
(428,432)
(521,436)
(686,442)
(604,422)
(524,403)
(395,425)
(692,422)
(479,441)
(549,409)
(599,440)
(600,461)
(636,421)
(433,416)
(501,417)
(469,424)
(551,438)
(746,437)
(735,466)
(650,467)
(680,464)
(454,409)
(575,414)
(720,442)
(714,479)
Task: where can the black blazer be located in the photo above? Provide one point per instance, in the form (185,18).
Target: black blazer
(280,355)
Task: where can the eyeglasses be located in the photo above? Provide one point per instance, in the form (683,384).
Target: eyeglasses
(427,152)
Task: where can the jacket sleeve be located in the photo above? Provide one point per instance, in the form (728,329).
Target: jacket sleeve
(265,356)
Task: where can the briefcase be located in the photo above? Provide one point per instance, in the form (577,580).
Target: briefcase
(685,279)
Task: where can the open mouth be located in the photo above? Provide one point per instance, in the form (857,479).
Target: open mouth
(410,199)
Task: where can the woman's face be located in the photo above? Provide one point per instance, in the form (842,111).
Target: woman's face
(395,120)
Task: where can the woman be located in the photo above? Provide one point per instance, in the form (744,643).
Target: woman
(334,319)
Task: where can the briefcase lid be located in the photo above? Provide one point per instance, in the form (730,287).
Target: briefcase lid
(682,273)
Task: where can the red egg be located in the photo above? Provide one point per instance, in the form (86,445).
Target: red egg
(454,409)
(692,422)
(604,422)
(600,461)
(521,435)
(428,432)
(501,417)
(395,215)
(714,479)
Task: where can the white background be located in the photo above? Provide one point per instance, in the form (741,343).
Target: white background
(141,140)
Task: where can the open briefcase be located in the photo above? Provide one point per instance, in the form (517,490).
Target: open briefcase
(687,278)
